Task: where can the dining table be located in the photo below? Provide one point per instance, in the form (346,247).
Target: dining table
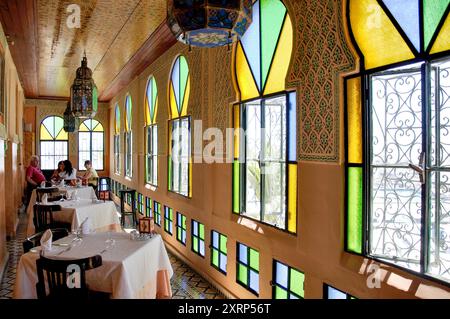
(131,269)
(100,215)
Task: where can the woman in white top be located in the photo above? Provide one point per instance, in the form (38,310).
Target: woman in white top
(69,173)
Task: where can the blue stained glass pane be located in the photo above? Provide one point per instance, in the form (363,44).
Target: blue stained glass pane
(216,240)
(251,45)
(254,281)
(282,275)
(170,227)
(406,12)
(243,254)
(202,248)
(291,296)
(183,236)
(223,262)
(179,219)
(292,120)
(335,294)
(195,231)
(176,81)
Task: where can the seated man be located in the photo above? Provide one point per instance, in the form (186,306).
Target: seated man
(34,177)
(91,176)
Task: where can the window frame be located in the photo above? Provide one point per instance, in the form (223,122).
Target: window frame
(249,268)
(182,229)
(170,168)
(148,207)
(157,213)
(219,251)
(81,165)
(168,220)
(53,143)
(198,237)
(151,156)
(288,290)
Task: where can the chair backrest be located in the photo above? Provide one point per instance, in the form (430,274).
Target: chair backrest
(49,191)
(59,276)
(43,216)
(35,240)
(130,193)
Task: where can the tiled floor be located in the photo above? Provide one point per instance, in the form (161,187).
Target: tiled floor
(186,283)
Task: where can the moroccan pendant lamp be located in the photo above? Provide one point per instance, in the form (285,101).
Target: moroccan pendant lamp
(209,23)
(83,93)
(69,120)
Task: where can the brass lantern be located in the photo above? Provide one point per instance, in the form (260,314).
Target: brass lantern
(209,23)
(83,93)
(70,122)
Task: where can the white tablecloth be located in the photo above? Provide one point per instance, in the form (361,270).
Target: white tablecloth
(102,216)
(130,270)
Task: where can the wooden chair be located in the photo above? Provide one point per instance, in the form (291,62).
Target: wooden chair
(54,274)
(123,211)
(49,191)
(35,240)
(43,218)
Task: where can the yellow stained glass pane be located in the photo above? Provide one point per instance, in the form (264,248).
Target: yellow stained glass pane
(62,136)
(155,112)
(83,128)
(244,76)
(237,125)
(443,40)
(99,128)
(375,34)
(173,104)
(148,120)
(45,134)
(292,199)
(277,78)
(354,120)
(186,98)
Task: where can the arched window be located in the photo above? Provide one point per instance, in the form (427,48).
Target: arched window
(128,137)
(117,140)
(151,130)
(265,166)
(180,164)
(54,142)
(397,125)
(91,145)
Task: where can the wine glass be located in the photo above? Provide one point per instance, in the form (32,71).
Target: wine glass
(110,242)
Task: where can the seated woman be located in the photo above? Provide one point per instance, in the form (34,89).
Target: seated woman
(90,177)
(56,177)
(69,174)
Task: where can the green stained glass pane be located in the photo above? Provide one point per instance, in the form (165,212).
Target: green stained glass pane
(184,72)
(254,259)
(354,217)
(170,174)
(95,99)
(171,214)
(179,233)
(183,218)
(59,124)
(272,17)
(215,256)
(242,274)
(202,231)
(297,281)
(236,191)
(223,244)
(280,293)
(195,244)
(433,10)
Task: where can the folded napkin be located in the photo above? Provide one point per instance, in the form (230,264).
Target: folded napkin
(46,240)
(44,199)
(85,227)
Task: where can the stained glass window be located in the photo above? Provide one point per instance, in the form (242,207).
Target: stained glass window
(288,282)
(54,142)
(157,213)
(265,163)
(168,220)
(140,203)
(181,228)
(219,251)
(333,293)
(148,207)
(117,140)
(151,145)
(247,272)
(396,157)
(91,137)
(180,163)
(128,137)
(198,238)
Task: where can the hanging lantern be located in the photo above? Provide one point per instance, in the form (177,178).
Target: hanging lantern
(69,120)
(83,93)
(209,23)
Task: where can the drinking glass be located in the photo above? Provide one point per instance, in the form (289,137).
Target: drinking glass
(110,242)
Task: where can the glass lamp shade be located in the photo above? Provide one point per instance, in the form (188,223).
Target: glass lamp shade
(83,93)
(69,120)
(209,23)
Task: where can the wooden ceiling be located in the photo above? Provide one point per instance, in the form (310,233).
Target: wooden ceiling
(121,38)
